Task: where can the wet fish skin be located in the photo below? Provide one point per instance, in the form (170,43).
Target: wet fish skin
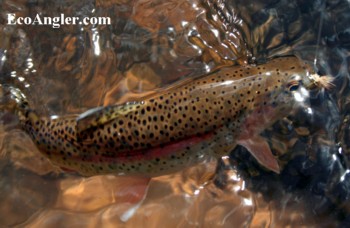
(176,128)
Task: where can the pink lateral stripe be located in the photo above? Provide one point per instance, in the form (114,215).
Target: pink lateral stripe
(147,154)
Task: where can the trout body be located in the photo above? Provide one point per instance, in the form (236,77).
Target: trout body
(178,127)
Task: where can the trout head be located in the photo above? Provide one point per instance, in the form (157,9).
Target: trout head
(296,86)
(276,89)
(279,86)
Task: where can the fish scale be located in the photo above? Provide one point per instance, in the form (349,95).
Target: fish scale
(177,127)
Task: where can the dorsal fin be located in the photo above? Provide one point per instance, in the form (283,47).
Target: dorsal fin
(103,115)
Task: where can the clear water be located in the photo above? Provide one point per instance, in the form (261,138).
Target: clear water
(151,44)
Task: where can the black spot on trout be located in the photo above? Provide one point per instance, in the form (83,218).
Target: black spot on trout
(179,127)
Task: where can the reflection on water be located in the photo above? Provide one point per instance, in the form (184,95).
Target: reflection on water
(151,44)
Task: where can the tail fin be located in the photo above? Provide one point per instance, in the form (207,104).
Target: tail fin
(13,100)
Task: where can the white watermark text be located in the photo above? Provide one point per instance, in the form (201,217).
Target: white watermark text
(56,22)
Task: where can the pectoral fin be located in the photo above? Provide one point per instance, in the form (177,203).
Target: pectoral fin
(260,149)
(102,115)
(131,190)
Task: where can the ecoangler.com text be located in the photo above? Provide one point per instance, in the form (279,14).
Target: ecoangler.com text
(56,22)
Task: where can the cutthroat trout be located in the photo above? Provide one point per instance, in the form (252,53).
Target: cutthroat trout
(179,126)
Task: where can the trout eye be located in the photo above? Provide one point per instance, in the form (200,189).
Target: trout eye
(294,82)
(293,85)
